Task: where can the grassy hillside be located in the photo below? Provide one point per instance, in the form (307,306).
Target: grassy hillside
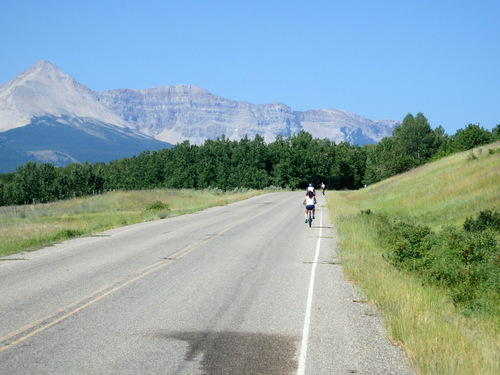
(437,337)
(441,193)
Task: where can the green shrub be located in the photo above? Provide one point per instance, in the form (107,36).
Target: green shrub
(486,219)
(157,206)
(65,234)
(408,243)
(466,262)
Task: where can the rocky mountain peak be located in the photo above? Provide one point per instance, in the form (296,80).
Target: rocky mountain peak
(44,89)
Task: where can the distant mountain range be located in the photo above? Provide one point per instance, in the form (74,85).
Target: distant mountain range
(47,116)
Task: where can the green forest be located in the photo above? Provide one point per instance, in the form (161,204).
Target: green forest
(227,165)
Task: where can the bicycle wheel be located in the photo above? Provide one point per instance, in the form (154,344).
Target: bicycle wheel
(310,218)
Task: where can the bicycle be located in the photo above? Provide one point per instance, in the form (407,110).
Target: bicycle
(310,202)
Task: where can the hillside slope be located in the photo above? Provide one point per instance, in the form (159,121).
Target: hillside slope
(438,336)
(444,192)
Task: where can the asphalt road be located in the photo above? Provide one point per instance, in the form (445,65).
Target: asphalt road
(247,288)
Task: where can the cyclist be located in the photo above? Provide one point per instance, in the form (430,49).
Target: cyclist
(323,187)
(311,188)
(310,201)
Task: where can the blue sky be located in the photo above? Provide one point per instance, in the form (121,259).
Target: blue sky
(377,59)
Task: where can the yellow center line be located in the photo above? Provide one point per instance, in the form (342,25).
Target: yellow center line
(100,294)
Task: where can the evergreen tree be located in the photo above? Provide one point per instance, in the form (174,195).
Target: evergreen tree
(496,132)
(415,140)
(34,183)
(470,137)
(279,154)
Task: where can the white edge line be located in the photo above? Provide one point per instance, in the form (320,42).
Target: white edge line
(307,319)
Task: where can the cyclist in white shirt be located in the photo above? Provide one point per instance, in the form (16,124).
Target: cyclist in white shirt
(310,201)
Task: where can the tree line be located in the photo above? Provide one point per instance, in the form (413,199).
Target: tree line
(224,164)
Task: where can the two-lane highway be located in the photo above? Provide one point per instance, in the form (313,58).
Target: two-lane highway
(247,288)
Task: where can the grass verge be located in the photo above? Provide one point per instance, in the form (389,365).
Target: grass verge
(30,227)
(436,336)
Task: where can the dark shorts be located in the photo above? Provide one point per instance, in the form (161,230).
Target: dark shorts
(310,207)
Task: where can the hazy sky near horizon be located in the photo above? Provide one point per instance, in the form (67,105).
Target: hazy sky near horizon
(377,59)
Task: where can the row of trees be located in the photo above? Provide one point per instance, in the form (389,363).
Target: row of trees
(248,163)
(414,143)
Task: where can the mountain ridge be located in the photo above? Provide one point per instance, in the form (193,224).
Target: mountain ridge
(185,112)
(153,118)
